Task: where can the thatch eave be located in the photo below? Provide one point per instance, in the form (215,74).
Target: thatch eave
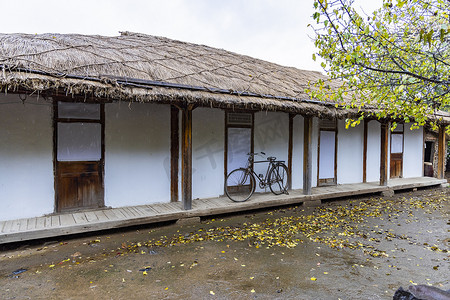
(112,90)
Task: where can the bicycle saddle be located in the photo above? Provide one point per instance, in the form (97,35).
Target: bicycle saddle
(271,158)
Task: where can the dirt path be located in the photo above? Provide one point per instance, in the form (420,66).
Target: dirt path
(352,249)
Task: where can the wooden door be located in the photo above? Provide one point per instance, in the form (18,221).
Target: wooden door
(79,134)
(396,157)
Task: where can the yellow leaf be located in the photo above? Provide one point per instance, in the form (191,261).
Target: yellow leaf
(313,278)
(144,273)
(212,293)
(51,266)
(252,291)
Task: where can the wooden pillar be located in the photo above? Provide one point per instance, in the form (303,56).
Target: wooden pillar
(365,151)
(442,152)
(186,157)
(307,155)
(290,149)
(174,152)
(384,153)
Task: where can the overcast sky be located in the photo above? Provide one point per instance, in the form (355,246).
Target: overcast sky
(273,30)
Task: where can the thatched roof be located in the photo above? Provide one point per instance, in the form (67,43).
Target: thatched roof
(137,67)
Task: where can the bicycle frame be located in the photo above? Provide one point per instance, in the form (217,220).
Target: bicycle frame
(240,183)
(263,182)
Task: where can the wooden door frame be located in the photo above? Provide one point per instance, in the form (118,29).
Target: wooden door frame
(390,149)
(335,130)
(57,120)
(252,135)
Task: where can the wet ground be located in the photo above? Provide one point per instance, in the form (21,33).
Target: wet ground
(361,248)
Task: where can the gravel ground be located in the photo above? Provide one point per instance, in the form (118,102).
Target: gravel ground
(358,248)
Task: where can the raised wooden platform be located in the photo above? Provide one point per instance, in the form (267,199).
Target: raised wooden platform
(89,221)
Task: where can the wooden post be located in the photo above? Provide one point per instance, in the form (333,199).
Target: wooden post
(384,153)
(365,151)
(442,151)
(307,155)
(290,149)
(186,157)
(174,152)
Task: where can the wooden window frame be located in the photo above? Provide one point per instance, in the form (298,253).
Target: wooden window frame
(322,182)
(227,125)
(394,132)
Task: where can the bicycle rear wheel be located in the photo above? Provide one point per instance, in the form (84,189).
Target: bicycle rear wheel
(278,179)
(239,185)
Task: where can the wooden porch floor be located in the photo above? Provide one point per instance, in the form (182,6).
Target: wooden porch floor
(89,221)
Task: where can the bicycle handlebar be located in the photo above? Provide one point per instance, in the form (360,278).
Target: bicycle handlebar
(253,154)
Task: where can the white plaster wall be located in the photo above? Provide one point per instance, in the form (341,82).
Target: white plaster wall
(350,151)
(271,137)
(413,151)
(208,129)
(297,152)
(315,151)
(137,154)
(373,151)
(26,158)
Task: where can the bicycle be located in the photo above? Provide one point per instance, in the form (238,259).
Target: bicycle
(240,184)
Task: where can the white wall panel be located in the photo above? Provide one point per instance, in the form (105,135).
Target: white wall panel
(297,152)
(350,153)
(271,137)
(315,151)
(26,158)
(137,154)
(373,151)
(413,152)
(208,129)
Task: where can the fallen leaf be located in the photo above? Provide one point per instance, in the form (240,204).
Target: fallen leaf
(76,254)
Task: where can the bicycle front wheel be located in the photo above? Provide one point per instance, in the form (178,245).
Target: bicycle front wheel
(239,185)
(278,179)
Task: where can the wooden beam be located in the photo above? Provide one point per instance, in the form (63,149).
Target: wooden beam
(384,153)
(307,155)
(186,157)
(290,149)
(442,152)
(365,151)
(174,152)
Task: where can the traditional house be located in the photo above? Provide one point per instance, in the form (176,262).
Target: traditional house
(95,122)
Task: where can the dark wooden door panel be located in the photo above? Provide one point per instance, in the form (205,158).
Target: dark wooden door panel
(79,185)
(396,165)
(90,190)
(68,194)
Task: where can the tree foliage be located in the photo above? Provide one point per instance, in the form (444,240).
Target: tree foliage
(396,59)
